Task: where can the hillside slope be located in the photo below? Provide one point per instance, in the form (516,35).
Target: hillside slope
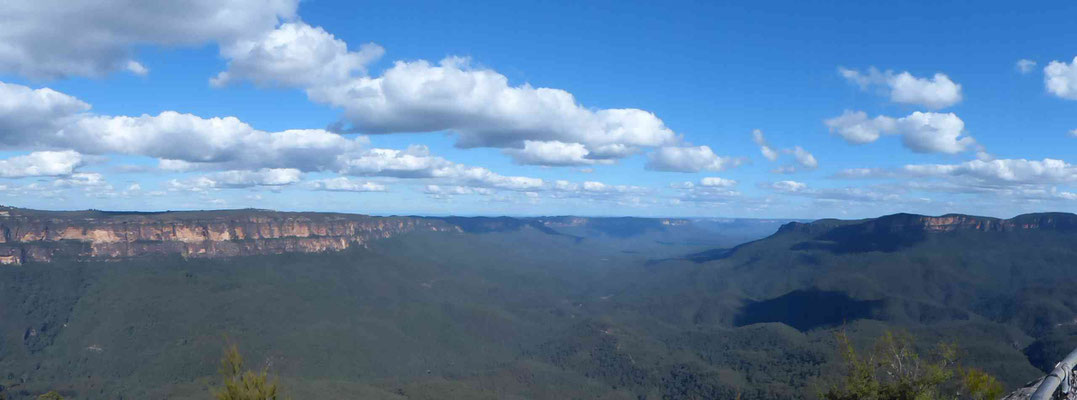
(550,307)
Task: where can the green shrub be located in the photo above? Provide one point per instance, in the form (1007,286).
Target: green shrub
(240,384)
(893,370)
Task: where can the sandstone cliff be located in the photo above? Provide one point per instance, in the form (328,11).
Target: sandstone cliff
(946,223)
(40,236)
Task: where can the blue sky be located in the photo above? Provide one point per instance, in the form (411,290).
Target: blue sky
(653,111)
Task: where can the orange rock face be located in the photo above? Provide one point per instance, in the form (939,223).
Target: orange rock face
(37,236)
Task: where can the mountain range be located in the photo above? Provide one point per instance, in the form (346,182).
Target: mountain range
(138,305)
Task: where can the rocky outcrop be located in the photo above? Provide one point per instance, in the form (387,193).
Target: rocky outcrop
(41,236)
(946,223)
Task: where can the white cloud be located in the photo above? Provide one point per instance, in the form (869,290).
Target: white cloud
(1002,171)
(482,108)
(137,68)
(1003,178)
(712,190)
(594,190)
(535,126)
(788,186)
(46,118)
(238,179)
(935,93)
(261,177)
(249,157)
(28,114)
(1060,79)
(856,128)
(86,180)
(41,163)
(803,157)
(921,132)
(60,38)
(417,162)
(842,196)
(552,153)
(933,133)
(413,162)
(768,152)
(446,191)
(1025,66)
(714,181)
(1073,133)
(865,173)
(189,138)
(344,184)
(690,159)
(295,54)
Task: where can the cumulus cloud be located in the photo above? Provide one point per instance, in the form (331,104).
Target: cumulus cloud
(1025,66)
(920,132)
(344,184)
(99,36)
(264,43)
(768,152)
(478,104)
(46,118)
(413,162)
(448,191)
(1002,171)
(865,173)
(594,187)
(238,179)
(533,125)
(1004,178)
(802,158)
(417,162)
(843,195)
(553,153)
(689,159)
(711,189)
(297,55)
(26,115)
(714,181)
(856,128)
(41,163)
(485,111)
(249,157)
(1060,79)
(935,93)
(788,186)
(189,138)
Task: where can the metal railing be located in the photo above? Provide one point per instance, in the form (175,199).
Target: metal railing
(1061,375)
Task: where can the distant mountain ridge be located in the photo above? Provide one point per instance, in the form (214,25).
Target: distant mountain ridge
(897,231)
(40,236)
(943,223)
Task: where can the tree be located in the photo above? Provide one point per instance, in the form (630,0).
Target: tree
(240,384)
(51,395)
(981,385)
(893,370)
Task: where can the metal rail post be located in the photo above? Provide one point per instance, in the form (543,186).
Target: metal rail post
(1060,374)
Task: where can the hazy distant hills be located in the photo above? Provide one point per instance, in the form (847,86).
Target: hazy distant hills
(40,236)
(545,307)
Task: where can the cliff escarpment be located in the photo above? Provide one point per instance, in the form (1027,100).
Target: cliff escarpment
(946,223)
(40,236)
